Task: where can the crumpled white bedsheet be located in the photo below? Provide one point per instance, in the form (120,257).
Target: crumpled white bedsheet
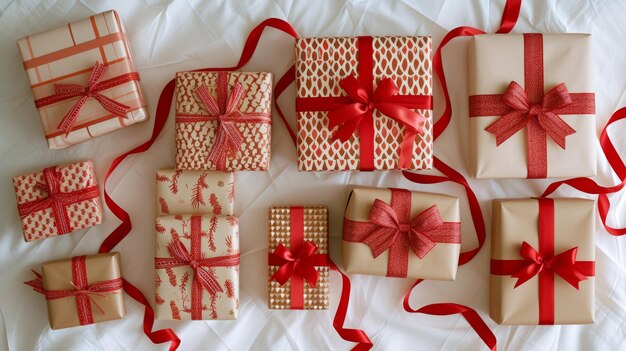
(185,34)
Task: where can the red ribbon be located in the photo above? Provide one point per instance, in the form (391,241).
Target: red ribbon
(203,277)
(161,115)
(391,228)
(355,111)
(83,292)
(545,264)
(529,108)
(95,85)
(56,200)
(297,264)
(224,110)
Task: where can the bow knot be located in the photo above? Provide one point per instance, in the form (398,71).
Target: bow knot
(349,117)
(542,114)
(202,273)
(563,264)
(92,90)
(389,228)
(228,140)
(300,263)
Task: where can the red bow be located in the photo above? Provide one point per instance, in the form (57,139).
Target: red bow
(388,229)
(202,274)
(300,263)
(349,117)
(228,140)
(93,90)
(524,113)
(563,264)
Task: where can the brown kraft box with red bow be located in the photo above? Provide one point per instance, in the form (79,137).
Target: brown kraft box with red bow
(298,258)
(83,79)
(364,103)
(542,261)
(81,290)
(58,200)
(531,106)
(197,267)
(400,233)
(223,120)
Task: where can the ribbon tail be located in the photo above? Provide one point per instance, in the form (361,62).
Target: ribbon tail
(37,283)
(507,125)
(218,152)
(421,244)
(283,274)
(113,106)
(67,123)
(555,127)
(208,281)
(526,273)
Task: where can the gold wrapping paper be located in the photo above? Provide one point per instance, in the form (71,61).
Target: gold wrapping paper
(315,230)
(195,192)
(440,263)
(497,59)
(57,275)
(173,294)
(515,221)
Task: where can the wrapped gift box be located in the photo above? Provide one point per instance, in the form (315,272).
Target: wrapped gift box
(542,261)
(61,63)
(532,106)
(364,103)
(62,282)
(194,192)
(197,267)
(223,120)
(58,200)
(399,233)
(300,232)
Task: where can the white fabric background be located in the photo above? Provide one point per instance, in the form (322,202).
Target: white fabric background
(173,36)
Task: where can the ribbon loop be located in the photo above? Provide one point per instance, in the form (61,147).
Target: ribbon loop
(92,90)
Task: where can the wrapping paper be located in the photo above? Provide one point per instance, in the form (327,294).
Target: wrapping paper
(196,135)
(316,231)
(66,55)
(194,192)
(57,275)
(439,263)
(496,60)
(321,63)
(73,178)
(190,35)
(175,293)
(515,221)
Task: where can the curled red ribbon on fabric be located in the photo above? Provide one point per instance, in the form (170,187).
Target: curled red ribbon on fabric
(390,227)
(83,291)
(355,111)
(203,278)
(541,115)
(57,200)
(92,90)
(545,264)
(301,263)
(529,108)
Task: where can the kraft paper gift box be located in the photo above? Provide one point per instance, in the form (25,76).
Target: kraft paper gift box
(197,267)
(223,120)
(81,290)
(542,261)
(195,192)
(364,103)
(298,232)
(400,233)
(83,79)
(58,200)
(532,106)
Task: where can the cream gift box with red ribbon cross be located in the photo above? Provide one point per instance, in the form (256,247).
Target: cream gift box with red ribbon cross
(531,106)
(83,79)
